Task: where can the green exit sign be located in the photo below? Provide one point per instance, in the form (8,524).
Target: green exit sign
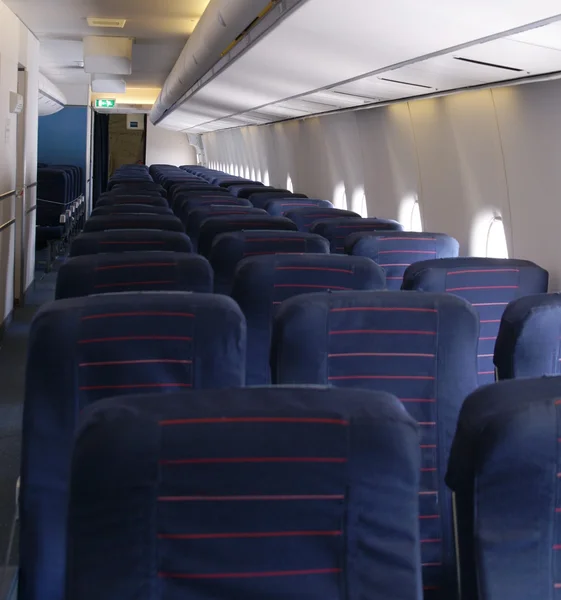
(105,103)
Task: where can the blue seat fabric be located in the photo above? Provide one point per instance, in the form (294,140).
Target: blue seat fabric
(136,221)
(85,349)
(133,271)
(394,251)
(306,217)
(488,284)
(130,240)
(504,470)
(529,339)
(120,209)
(419,347)
(337,230)
(262,283)
(278,208)
(258,493)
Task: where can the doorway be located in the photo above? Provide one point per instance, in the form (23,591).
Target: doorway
(127,140)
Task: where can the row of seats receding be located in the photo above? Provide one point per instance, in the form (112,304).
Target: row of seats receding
(422,347)
(61,208)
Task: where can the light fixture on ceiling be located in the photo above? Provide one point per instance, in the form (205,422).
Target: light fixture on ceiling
(99,22)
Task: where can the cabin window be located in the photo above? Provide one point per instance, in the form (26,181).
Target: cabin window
(266,180)
(289,184)
(340,196)
(252,174)
(359,202)
(496,240)
(416,222)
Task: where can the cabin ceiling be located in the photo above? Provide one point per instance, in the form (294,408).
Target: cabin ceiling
(327,54)
(160,29)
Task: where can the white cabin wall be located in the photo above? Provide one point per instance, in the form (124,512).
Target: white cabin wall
(466,157)
(18,47)
(167,147)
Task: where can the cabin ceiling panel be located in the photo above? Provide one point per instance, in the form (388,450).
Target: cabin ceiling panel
(160,29)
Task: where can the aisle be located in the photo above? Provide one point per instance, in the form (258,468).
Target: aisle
(13,350)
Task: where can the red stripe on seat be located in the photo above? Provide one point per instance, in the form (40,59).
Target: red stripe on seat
(383,309)
(256,535)
(256,460)
(135,386)
(491,304)
(274,498)
(420,400)
(484,287)
(276,240)
(490,321)
(483,271)
(325,269)
(486,373)
(129,266)
(137,338)
(487,339)
(248,575)
(139,314)
(436,564)
(255,420)
(388,331)
(432,470)
(136,362)
(432,493)
(427,446)
(131,242)
(125,283)
(384,354)
(310,286)
(406,239)
(407,252)
(427,517)
(395,265)
(431,541)
(409,377)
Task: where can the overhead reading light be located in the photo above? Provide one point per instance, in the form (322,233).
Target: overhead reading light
(114,23)
(419,85)
(488,64)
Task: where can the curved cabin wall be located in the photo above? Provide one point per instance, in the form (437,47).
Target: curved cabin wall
(466,157)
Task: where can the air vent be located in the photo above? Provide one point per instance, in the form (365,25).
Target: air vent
(113,23)
(488,64)
(418,85)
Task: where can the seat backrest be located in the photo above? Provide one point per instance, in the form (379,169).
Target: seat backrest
(130,240)
(185,203)
(145,186)
(136,221)
(421,348)
(125,209)
(254,494)
(338,230)
(529,339)
(119,200)
(244,190)
(195,218)
(134,271)
(504,470)
(229,249)
(214,226)
(306,217)
(394,251)
(489,284)
(85,349)
(262,283)
(278,208)
(261,199)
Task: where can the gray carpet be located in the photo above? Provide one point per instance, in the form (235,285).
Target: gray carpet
(13,350)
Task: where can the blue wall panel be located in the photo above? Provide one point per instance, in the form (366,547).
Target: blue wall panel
(63,137)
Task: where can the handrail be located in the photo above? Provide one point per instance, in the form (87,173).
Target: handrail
(7,224)
(30,210)
(7,195)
